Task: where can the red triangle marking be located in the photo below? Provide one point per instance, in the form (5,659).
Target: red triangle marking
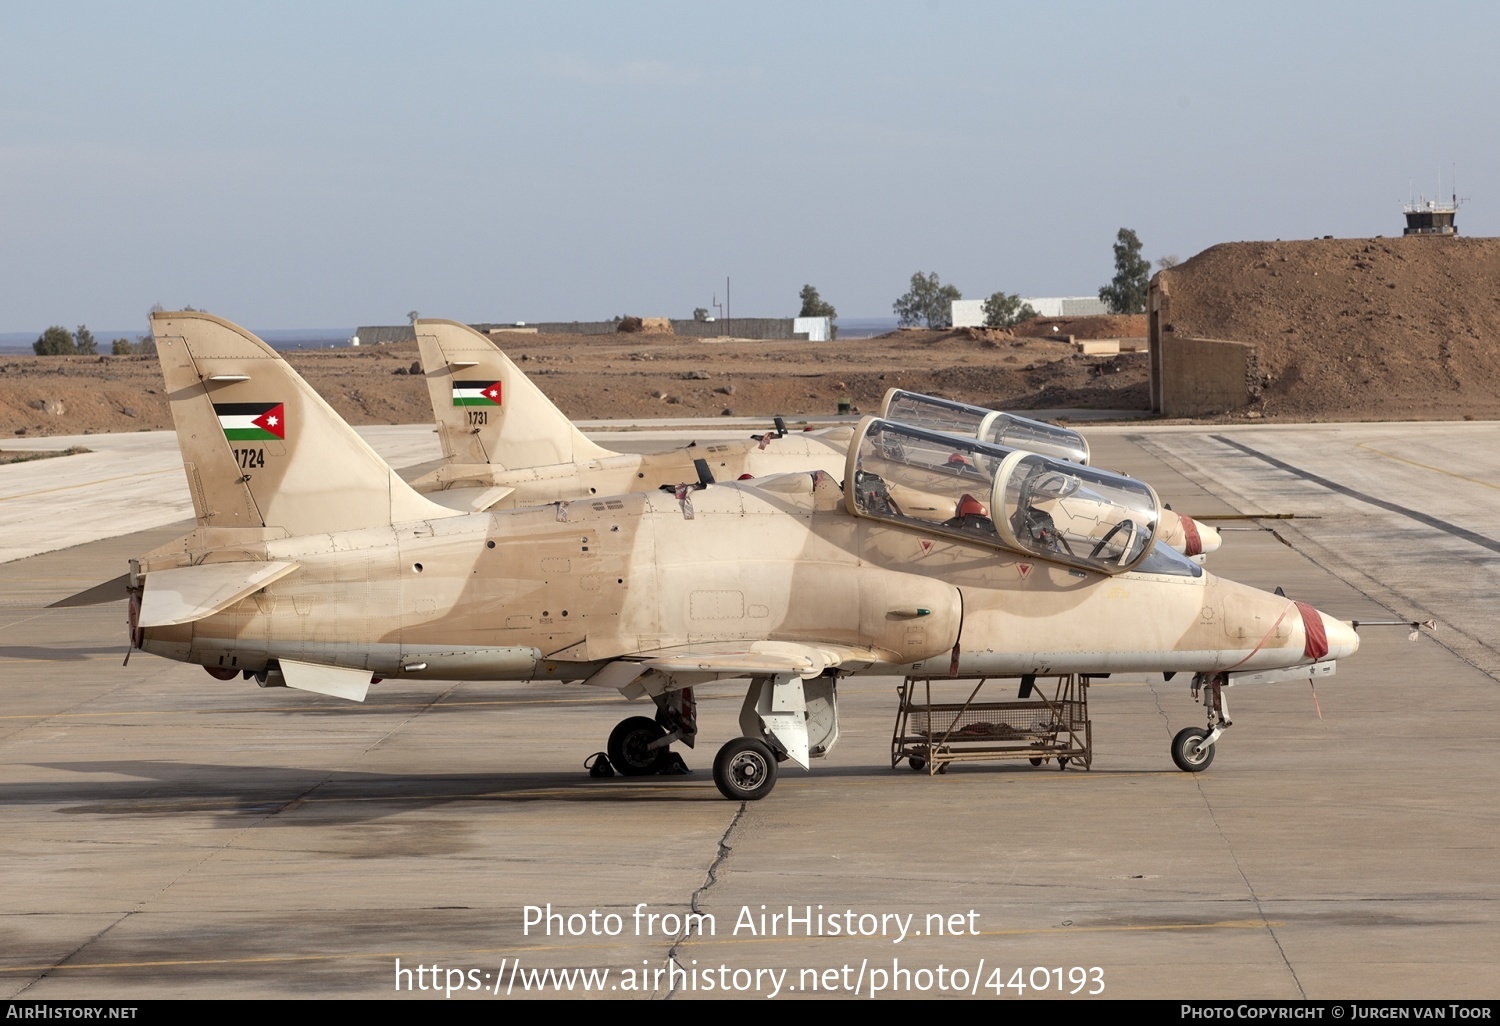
(493,393)
(1025,570)
(926,545)
(273,420)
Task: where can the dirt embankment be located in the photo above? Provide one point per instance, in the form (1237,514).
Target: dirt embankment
(1402,328)
(595,377)
(1106,326)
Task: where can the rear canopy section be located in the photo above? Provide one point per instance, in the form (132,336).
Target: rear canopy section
(993,426)
(1007,498)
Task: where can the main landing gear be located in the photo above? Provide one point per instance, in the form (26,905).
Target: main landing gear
(745,769)
(630,747)
(784,718)
(1193,747)
(640,746)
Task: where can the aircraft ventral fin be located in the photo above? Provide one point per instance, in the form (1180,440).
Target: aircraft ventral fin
(188,593)
(334,681)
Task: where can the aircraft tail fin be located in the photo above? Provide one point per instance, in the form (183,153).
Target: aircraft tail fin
(487,411)
(260,447)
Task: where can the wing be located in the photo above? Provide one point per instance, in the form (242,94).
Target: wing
(759,658)
(690,664)
(470,500)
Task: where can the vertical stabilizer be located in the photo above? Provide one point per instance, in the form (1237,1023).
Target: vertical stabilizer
(487,411)
(260,447)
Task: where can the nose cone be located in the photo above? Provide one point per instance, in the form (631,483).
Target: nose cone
(1343,642)
(1264,631)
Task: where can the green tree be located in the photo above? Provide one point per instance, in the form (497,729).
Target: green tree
(55,341)
(700,313)
(1004,310)
(84,341)
(121,347)
(929,302)
(1126,294)
(814,306)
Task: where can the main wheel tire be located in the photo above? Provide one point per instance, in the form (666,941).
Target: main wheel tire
(1188,752)
(745,770)
(628,747)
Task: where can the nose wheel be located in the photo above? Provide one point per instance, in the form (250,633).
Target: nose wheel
(1189,752)
(1193,747)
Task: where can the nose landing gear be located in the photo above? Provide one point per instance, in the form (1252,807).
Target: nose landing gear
(1189,752)
(1193,747)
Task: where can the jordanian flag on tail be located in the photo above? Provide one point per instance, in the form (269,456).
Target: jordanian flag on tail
(252,422)
(476,393)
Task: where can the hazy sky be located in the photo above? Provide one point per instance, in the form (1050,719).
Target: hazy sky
(331,164)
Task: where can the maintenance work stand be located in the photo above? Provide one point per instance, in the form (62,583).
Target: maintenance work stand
(936,725)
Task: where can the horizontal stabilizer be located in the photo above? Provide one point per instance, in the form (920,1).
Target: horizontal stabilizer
(110,591)
(334,681)
(188,593)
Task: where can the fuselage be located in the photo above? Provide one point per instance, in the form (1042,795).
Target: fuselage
(554,592)
(618,473)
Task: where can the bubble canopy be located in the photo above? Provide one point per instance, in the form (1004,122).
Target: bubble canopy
(1001,497)
(993,426)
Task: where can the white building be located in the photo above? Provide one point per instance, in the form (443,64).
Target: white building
(815,328)
(969,313)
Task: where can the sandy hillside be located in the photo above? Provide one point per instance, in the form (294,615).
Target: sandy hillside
(1403,328)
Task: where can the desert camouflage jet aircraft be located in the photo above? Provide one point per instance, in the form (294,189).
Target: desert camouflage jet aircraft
(505,444)
(315,566)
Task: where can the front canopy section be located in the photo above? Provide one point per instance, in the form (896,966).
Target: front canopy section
(1001,497)
(993,426)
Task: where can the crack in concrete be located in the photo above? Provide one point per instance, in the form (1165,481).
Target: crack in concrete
(709,879)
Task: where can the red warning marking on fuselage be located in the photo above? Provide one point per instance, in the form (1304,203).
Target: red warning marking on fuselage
(926,546)
(1024,569)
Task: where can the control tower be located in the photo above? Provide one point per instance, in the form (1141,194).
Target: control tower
(1431,218)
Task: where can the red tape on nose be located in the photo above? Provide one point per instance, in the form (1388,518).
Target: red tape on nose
(1317,637)
(1194,543)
